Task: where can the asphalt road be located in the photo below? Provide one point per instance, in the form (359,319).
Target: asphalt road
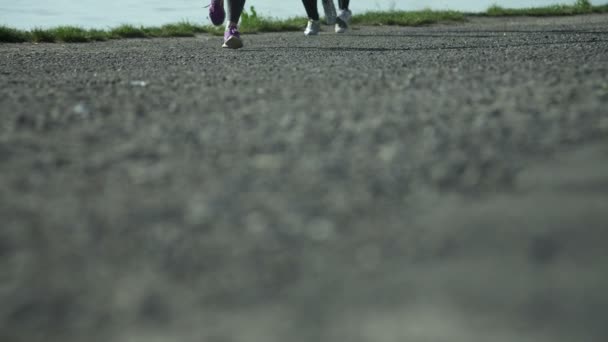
(443,183)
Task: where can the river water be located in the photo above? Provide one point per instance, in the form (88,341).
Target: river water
(28,14)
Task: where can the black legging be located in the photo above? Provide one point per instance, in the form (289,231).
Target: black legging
(343,4)
(311,9)
(235,9)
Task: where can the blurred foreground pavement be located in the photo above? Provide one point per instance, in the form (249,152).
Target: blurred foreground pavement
(444,183)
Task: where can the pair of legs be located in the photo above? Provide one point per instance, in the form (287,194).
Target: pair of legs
(217,14)
(312,11)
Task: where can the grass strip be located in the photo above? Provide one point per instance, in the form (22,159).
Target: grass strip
(251,22)
(11,35)
(579,7)
(407,18)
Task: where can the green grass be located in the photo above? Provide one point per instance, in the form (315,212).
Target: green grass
(11,35)
(42,36)
(407,18)
(128,31)
(181,29)
(72,34)
(251,22)
(579,7)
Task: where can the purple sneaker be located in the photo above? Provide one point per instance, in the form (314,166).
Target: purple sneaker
(216,12)
(232,38)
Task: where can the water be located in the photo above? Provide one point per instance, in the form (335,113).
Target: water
(28,14)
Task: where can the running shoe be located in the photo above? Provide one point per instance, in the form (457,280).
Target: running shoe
(313,28)
(343,20)
(216,12)
(232,38)
(330,11)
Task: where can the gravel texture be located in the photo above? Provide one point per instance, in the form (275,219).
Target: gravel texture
(443,183)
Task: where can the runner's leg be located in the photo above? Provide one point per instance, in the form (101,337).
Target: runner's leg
(235,9)
(311,8)
(216,12)
(330,11)
(344,16)
(343,4)
(232,37)
(314,26)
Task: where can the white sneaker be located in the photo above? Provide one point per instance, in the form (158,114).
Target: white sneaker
(313,28)
(342,21)
(330,11)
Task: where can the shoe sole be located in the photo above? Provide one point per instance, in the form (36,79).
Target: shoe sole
(233,43)
(311,33)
